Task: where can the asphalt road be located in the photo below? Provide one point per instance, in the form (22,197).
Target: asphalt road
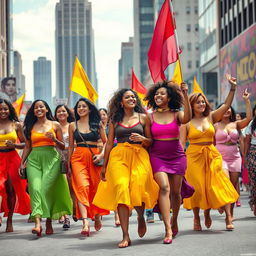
(214,241)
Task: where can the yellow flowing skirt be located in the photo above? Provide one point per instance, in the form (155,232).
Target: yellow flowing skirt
(129,179)
(213,188)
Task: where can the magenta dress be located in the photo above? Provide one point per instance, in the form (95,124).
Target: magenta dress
(226,143)
(166,153)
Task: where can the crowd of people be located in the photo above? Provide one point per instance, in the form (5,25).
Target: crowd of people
(83,163)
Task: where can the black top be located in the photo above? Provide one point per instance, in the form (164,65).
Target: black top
(90,136)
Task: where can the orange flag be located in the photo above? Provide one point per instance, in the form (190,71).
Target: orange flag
(177,78)
(138,87)
(196,87)
(18,104)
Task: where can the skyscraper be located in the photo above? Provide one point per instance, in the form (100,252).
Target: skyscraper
(20,78)
(43,80)
(73,37)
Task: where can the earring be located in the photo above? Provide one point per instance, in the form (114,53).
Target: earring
(122,105)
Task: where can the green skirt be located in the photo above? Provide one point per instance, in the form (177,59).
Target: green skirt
(48,188)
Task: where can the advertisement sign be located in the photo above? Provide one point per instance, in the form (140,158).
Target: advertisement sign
(8,89)
(238,58)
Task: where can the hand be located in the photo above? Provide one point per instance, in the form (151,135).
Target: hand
(97,158)
(232,81)
(22,166)
(135,137)
(103,174)
(184,88)
(50,135)
(9,144)
(246,95)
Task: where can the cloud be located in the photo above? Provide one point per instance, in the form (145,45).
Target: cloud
(112,24)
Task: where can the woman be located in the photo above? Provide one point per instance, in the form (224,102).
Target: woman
(85,132)
(167,156)
(104,119)
(250,153)
(48,188)
(13,196)
(127,180)
(204,163)
(227,137)
(8,86)
(64,116)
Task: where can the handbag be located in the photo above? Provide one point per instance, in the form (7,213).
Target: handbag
(63,167)
(23,173)
(101,163)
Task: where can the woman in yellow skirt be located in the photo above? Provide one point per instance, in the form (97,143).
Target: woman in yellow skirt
(127,178)
(213,188)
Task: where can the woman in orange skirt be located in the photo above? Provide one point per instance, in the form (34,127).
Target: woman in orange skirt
(85,132)
(13,195)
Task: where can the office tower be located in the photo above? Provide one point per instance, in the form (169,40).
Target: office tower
(125,64)
(73,37)
(20,78)
(43,80)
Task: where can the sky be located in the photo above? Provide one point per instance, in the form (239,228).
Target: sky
(34,26)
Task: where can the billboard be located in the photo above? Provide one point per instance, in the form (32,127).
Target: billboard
(238,58)
(8,89)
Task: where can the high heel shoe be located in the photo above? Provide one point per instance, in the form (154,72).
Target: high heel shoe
(167,241)
(174,233)
(197,226)
(37,231)
(229,225)
(86,228)
(97,224)
(49,229)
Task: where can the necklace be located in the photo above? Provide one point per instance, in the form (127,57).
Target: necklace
(162,109)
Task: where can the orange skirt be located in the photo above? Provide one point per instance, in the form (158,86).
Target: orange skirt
(85,180)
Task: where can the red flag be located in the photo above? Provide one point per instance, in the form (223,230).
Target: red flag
(163,49)
(138,87)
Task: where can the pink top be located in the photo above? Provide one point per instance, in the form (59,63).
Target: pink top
(165,131)
(222,136)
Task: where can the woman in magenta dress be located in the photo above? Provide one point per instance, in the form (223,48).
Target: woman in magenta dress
(167,156)
(227,137)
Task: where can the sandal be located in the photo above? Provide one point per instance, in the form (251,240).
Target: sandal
(49,229)
(66,223)
(97,223)
(197,225)
(86,228)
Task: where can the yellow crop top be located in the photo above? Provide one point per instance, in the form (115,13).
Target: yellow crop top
(12,136)
(39,139)
(197,136)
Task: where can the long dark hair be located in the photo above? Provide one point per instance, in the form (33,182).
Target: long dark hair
(232,117)
(173,92)
(70,118)
(115,109)
(94,116)
(254,119)
(12,115)
(31,119)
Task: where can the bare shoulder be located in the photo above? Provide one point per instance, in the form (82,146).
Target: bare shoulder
(18,125)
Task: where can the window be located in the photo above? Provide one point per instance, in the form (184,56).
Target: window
(196,27)
(188,27)
(188,10)
(197,46)
(197,63)
(196,9)
(189,64)
(189,46)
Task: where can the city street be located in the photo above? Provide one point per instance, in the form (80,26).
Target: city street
(215,241)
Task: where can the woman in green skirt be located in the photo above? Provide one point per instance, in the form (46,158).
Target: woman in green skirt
(48,188)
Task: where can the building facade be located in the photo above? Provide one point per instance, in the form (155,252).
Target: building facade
(73,37)
(43,80)
(20,78)
(125,64)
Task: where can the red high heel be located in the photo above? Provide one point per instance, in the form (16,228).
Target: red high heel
(86,232)
(167,241)
(37,231)
(49,229)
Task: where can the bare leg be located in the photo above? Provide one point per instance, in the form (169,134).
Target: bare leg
(97,222)
(0,208)
(229,224)
(37,230)
(123,212)
(117,221)
(86,228)
(142,228)
(234,177)
(197,224)
(207,218)
(11,201)
(164,201)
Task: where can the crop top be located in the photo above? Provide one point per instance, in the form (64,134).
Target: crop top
(12,136)
(222,136)
(38,139)
(122,133)
(165,131)
(90,136)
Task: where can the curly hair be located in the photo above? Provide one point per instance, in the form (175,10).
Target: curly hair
(232,117)
(115,109)
(254,119)
(194,97)
(94,116)
(173,92)
(70,118)
(31,119)
(12,115)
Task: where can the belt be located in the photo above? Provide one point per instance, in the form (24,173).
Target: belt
(7,149)
(86,145)
(227,144)
(167,139)
(202,143)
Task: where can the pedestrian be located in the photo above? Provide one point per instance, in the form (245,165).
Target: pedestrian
(204,171)
(227,137)
(85,132)
(167,156)
(64,116)
(127,180)
(13,195)
(48,188)
(250,162)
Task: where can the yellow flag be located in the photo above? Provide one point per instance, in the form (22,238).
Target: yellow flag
(18,104)
(80,83)
(196,87)
(177,73)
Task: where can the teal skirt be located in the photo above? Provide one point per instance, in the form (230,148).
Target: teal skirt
(48,188)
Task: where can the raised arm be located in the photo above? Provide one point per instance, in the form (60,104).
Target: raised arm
(217,115)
